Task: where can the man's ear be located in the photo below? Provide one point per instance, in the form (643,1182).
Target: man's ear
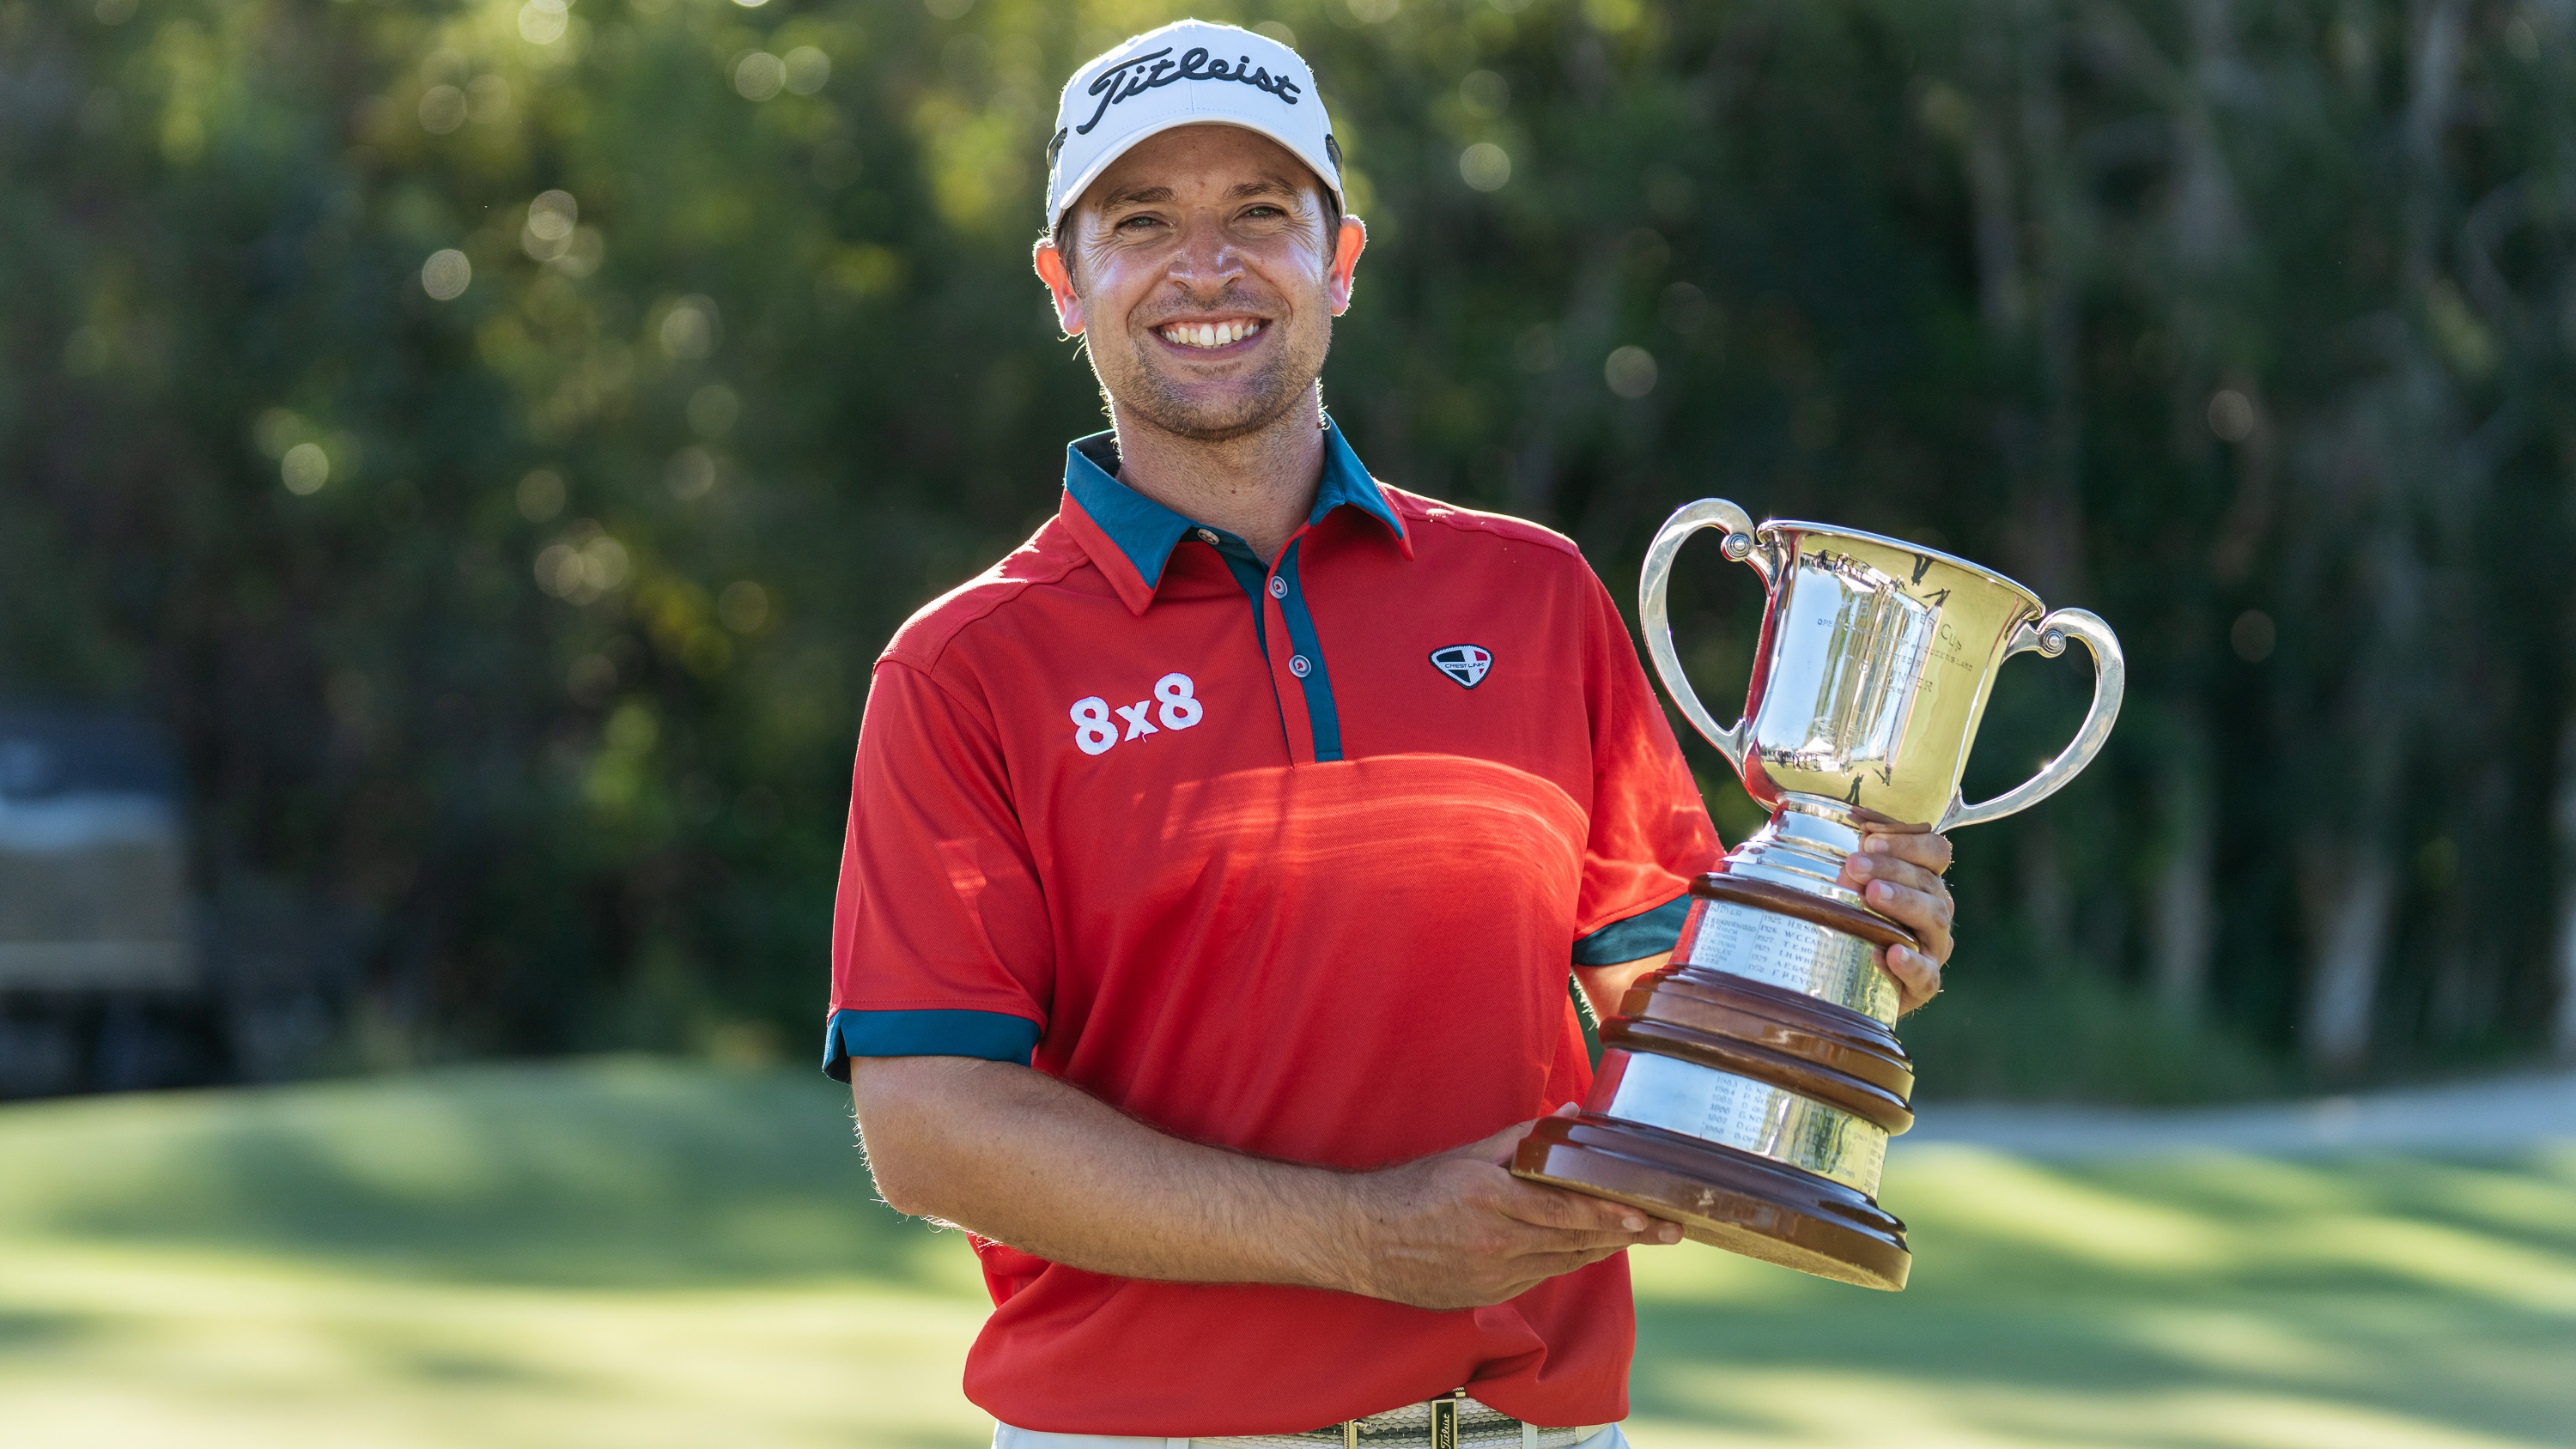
(1059,282)
(1346,260)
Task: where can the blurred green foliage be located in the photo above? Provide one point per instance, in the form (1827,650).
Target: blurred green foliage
(498,436)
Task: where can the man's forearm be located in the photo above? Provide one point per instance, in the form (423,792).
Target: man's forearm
(1026,1160)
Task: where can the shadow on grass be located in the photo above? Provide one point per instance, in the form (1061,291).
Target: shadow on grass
(2416,1290)
(623,1172)
(22,1331)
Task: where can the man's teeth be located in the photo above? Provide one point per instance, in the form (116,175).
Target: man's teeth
(1209,334)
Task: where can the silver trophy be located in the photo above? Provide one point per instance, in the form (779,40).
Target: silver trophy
(1748,1089)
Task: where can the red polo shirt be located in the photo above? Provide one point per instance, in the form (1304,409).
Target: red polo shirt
(1289,855)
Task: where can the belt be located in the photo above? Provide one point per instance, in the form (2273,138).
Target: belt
(1451,1422)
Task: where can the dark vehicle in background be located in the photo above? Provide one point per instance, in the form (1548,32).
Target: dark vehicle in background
(102,977)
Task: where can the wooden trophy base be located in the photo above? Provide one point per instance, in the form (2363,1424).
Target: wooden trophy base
(1722,1197)
(1840,1072)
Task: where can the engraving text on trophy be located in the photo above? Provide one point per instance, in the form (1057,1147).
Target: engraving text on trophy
(1796,955)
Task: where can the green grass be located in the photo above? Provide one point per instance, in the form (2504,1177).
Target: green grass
(640,1253)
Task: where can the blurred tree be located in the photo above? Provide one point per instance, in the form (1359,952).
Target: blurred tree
(498,436)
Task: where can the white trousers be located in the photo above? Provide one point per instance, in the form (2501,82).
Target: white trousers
(1006,1436)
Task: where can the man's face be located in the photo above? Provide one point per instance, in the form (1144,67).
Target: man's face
(1203,280)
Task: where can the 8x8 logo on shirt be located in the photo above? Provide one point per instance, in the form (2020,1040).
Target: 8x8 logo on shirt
(1094,733)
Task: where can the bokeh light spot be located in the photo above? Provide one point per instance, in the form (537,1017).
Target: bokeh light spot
(2253,636)
(548,233)
(603,563)
(688,330)
(632,730)
(446,274)
(948,9)
(691,473)
(541,495)
(442,109)
(1373,12)
(757,76)
(1485,94)
(542,22)
(1485,166)
(305,469)
(807,70)
(559,569)
(2231,415)
(279,429)
(1630,371)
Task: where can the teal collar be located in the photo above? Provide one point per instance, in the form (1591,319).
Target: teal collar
(1143,533)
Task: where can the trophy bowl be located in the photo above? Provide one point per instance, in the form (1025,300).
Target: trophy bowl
(1747,1089)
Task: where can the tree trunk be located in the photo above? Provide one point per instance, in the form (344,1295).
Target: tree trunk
(2182,929)
(2348,891)
(2563,1028)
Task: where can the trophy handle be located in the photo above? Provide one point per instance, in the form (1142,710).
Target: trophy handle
(2110,680)
(1655,621)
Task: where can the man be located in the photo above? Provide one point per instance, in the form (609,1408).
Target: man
(1216,860)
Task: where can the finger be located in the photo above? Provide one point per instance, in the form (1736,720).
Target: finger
(1563,1211)
(1927,914)
(1540,1242)
(1859,869)
(1918,977)
(1928,849)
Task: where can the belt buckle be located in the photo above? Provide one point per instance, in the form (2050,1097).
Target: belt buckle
(1444,1420)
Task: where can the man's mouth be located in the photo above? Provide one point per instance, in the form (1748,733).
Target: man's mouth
(1209,334)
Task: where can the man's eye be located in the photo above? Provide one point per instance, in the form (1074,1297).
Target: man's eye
(1137,221)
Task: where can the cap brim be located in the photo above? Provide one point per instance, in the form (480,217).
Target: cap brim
(1082,183)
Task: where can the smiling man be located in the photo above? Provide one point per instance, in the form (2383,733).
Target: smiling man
(1216,860)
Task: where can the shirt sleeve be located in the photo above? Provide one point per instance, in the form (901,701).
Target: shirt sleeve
(1650,832)
(940,938)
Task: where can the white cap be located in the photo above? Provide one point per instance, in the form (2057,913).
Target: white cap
(1189,73)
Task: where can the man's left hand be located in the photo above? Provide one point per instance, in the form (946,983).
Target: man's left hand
(1898,871)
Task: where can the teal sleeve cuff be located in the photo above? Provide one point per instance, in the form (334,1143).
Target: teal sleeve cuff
(1636,937)
(992,1035)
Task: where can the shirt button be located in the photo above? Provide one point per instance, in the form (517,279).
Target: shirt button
(1298,666)
(1278,587)
(1207,535)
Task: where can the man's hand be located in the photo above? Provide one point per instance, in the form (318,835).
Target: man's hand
(1898,871)
(1456,1230)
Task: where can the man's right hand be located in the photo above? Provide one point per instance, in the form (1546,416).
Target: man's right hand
(1457,1230)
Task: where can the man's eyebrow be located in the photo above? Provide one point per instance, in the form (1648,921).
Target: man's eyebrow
(1141,195)
(1266,186)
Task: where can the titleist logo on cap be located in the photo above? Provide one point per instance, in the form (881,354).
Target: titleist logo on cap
(1194,64)
(1133,92)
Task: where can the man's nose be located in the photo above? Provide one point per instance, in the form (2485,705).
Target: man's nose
(1206,263)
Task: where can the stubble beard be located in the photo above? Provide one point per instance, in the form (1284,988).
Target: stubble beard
(1163,402)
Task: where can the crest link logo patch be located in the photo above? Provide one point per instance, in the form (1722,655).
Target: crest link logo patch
(1465,663)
